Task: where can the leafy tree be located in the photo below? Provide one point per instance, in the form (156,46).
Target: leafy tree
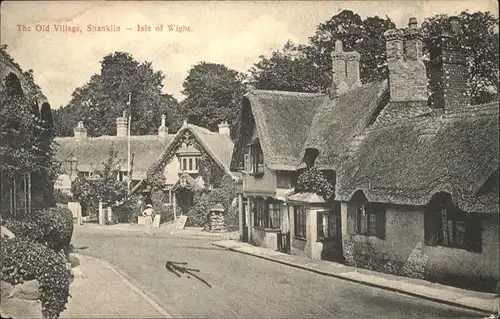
(213,94)
(26,134)
(478,31)
(103,186)
(309,68)
(104,98)
(289,69)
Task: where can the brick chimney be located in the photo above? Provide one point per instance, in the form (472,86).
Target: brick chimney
(163,129)
(224,129)
(407,72)
(345,66)
(449,70)
(121,126)
(80,131)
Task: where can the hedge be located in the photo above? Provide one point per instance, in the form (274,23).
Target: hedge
(22,259)
(52,227)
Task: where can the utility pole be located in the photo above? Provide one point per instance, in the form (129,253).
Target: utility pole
(128,141)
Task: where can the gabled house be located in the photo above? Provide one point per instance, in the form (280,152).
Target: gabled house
(415,174)
(22,193)
(179,162)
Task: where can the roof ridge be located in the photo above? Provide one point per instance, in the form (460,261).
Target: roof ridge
(290,93)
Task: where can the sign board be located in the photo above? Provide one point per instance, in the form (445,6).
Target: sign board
(181,222)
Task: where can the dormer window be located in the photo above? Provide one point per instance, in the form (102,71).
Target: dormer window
(189,159)
(254,158)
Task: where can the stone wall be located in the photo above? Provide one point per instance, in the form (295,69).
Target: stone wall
(21,300)
(403,251)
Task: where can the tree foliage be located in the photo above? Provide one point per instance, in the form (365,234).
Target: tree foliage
(26,134)
(103,186)
(309,68)
(104,98)
(479,32)
(213,94)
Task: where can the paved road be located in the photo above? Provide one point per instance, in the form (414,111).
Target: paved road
(236,285)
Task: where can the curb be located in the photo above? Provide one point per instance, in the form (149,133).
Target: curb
(362,282)
(133,287)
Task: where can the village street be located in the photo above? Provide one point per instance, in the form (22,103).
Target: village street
(234,285)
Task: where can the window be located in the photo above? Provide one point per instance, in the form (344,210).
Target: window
(189,164)
(260,213)
(446,225)
(299,218)
(328,225)
(274,215)
(370,220)
(267,213)
(257,159)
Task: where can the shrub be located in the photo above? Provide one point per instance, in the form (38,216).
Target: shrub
(127,212)
(24,228)
(57,227)
(22,259)
(231,219)
(314,181)
(52,227)
(61,198)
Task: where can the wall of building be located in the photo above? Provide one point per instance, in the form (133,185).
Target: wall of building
(265,237)
(265,184)
(171,170)
(308,247)
(403,251)
(465,263)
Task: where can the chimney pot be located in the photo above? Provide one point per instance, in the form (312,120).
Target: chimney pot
(412,23)
(121,126)
(163,129)
(80,131)
(224,128)
(338,46)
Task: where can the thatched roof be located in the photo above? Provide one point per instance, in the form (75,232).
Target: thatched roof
(410,161)
(282,120)
(338,121)
(92,152)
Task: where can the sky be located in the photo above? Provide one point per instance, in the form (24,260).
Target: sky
(234,33)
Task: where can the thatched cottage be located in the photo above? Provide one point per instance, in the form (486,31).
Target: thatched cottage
(415,175)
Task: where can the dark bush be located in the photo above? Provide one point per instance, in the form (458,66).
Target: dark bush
(22,259)
(128,211)
(61,198)
(52,227)
(231,219)
(57,227)
(24,228)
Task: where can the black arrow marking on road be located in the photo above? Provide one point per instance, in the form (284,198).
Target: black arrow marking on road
(178,269)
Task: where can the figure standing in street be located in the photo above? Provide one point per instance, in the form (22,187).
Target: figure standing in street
(149,214)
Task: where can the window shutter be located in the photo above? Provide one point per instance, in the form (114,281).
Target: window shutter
(380,220)
(431,226)
(473,234)
(351,219)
